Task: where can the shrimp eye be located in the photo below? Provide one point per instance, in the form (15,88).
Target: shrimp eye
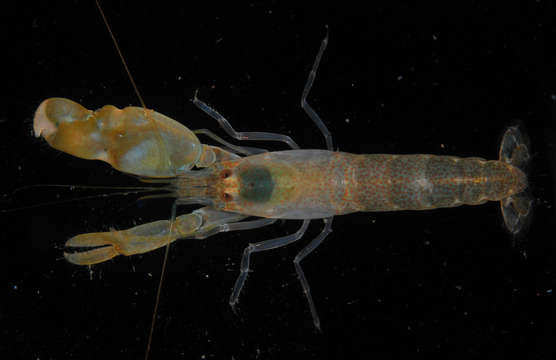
(226,173)
(227,197)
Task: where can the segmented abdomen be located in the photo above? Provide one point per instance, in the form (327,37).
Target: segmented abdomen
(419,182)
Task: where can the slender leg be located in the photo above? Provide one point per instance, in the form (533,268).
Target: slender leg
(238,226)
(262,246)
(247,225)
(245,150)
(301,275)
(255,135)
(305,106)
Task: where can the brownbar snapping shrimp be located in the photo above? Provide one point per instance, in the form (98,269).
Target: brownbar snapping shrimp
(235,183)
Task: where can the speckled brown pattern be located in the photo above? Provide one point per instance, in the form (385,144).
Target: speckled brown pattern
(303,184)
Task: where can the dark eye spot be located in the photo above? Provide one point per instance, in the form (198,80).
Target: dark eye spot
(256,184)
(227,197)
(226,173)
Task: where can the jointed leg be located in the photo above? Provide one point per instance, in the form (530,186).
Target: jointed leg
(297,260)
(262,246)
(236,226)
(305,106)
(245,150)
(266,136)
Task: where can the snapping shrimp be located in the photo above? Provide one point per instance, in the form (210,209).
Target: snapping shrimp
(235,183)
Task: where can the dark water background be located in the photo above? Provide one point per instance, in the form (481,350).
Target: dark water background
(395,79)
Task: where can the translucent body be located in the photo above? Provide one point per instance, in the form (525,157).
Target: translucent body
(314,184)
(292,184)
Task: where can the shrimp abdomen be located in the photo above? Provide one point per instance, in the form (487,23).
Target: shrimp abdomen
(420,182)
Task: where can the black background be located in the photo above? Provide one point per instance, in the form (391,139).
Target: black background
(440,79)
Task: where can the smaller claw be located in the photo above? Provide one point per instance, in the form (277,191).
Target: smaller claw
(98,247)
(94,248)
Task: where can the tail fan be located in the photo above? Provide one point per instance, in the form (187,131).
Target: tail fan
(517,208)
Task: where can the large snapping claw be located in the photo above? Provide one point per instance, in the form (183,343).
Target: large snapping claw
(133,140)
(94,248)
